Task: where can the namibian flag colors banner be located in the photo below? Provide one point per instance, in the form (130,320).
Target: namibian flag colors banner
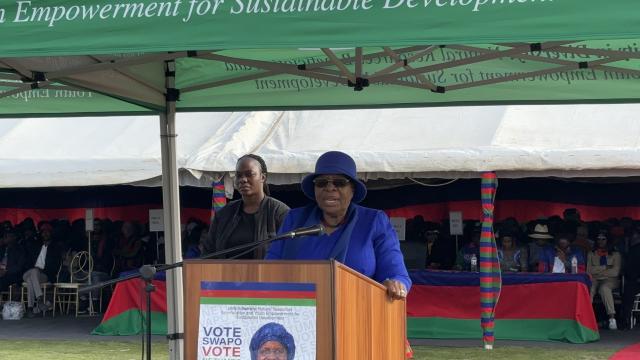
(244,321)
(127,309)
(552,307)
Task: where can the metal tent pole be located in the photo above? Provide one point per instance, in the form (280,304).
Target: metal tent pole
(171,206)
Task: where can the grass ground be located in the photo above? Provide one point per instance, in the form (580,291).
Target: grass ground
(510,353)
(107,350)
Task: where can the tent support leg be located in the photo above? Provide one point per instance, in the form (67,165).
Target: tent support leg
(172,229)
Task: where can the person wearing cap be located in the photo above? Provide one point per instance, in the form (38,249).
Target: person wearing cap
(359,237)
(255,216)
(272,342)
(539,246)
(46,260)
(603,265)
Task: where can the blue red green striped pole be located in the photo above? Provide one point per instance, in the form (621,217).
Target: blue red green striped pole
(490,278)
(218,198)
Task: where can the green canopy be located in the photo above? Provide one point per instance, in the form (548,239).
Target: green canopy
(63,57)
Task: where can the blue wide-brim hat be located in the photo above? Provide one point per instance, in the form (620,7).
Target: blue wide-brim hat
(335,163)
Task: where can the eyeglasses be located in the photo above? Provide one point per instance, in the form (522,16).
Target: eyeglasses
(275,352)
(323,183)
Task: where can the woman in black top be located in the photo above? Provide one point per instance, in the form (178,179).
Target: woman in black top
(255,217)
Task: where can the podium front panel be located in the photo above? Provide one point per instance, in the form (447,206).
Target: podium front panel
(319,273)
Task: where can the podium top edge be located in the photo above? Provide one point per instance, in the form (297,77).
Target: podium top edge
(227,261)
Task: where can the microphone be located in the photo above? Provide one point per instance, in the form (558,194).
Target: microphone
(317,229)
(147,272)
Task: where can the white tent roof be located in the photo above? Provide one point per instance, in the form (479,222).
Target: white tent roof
(448,142)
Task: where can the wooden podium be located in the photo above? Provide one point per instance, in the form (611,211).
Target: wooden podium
(355,319)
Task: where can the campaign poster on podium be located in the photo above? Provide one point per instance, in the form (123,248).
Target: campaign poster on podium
(245,321)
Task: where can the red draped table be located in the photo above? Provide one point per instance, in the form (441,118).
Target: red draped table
(532,306)
(128,307)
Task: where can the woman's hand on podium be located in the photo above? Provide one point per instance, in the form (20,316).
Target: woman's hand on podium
(395,289)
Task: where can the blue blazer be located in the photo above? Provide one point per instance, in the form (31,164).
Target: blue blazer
(371,249)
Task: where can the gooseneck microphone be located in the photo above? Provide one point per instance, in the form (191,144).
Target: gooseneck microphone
(244,248)
(317,229)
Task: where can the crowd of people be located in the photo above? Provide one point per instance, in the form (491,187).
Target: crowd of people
(607,250)
(362,238)
(39,253)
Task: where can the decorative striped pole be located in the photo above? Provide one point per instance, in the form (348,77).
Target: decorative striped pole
(490,278)
(218,198)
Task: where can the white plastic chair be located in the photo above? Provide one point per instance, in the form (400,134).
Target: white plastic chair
(67,294)
(635,311)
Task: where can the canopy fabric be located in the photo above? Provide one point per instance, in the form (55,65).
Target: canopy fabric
(69,58)
(61,27)
(43,152)
(516,141)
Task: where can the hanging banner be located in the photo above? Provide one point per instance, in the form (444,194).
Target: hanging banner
(246,321)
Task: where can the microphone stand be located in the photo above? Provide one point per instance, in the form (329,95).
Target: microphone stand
(147,272)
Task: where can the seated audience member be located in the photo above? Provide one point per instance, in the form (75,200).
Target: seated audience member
(511,225)
(559,258)
(128,254)
(12,260)
(6,225)
(103,245)
(539,246)
(571,215)
(193,242)
(204,235)
(416,228)
(555,225)
(438,252)
(512,258)
(44,261)
(631,276)
(603,265)
(75,235)
(617,239)
(463,260)
(582,238)
(29,236)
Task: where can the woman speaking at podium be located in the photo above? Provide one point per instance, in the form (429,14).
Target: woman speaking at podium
(358,237)
(254,217)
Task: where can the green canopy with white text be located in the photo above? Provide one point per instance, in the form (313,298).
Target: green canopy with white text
(265,54)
